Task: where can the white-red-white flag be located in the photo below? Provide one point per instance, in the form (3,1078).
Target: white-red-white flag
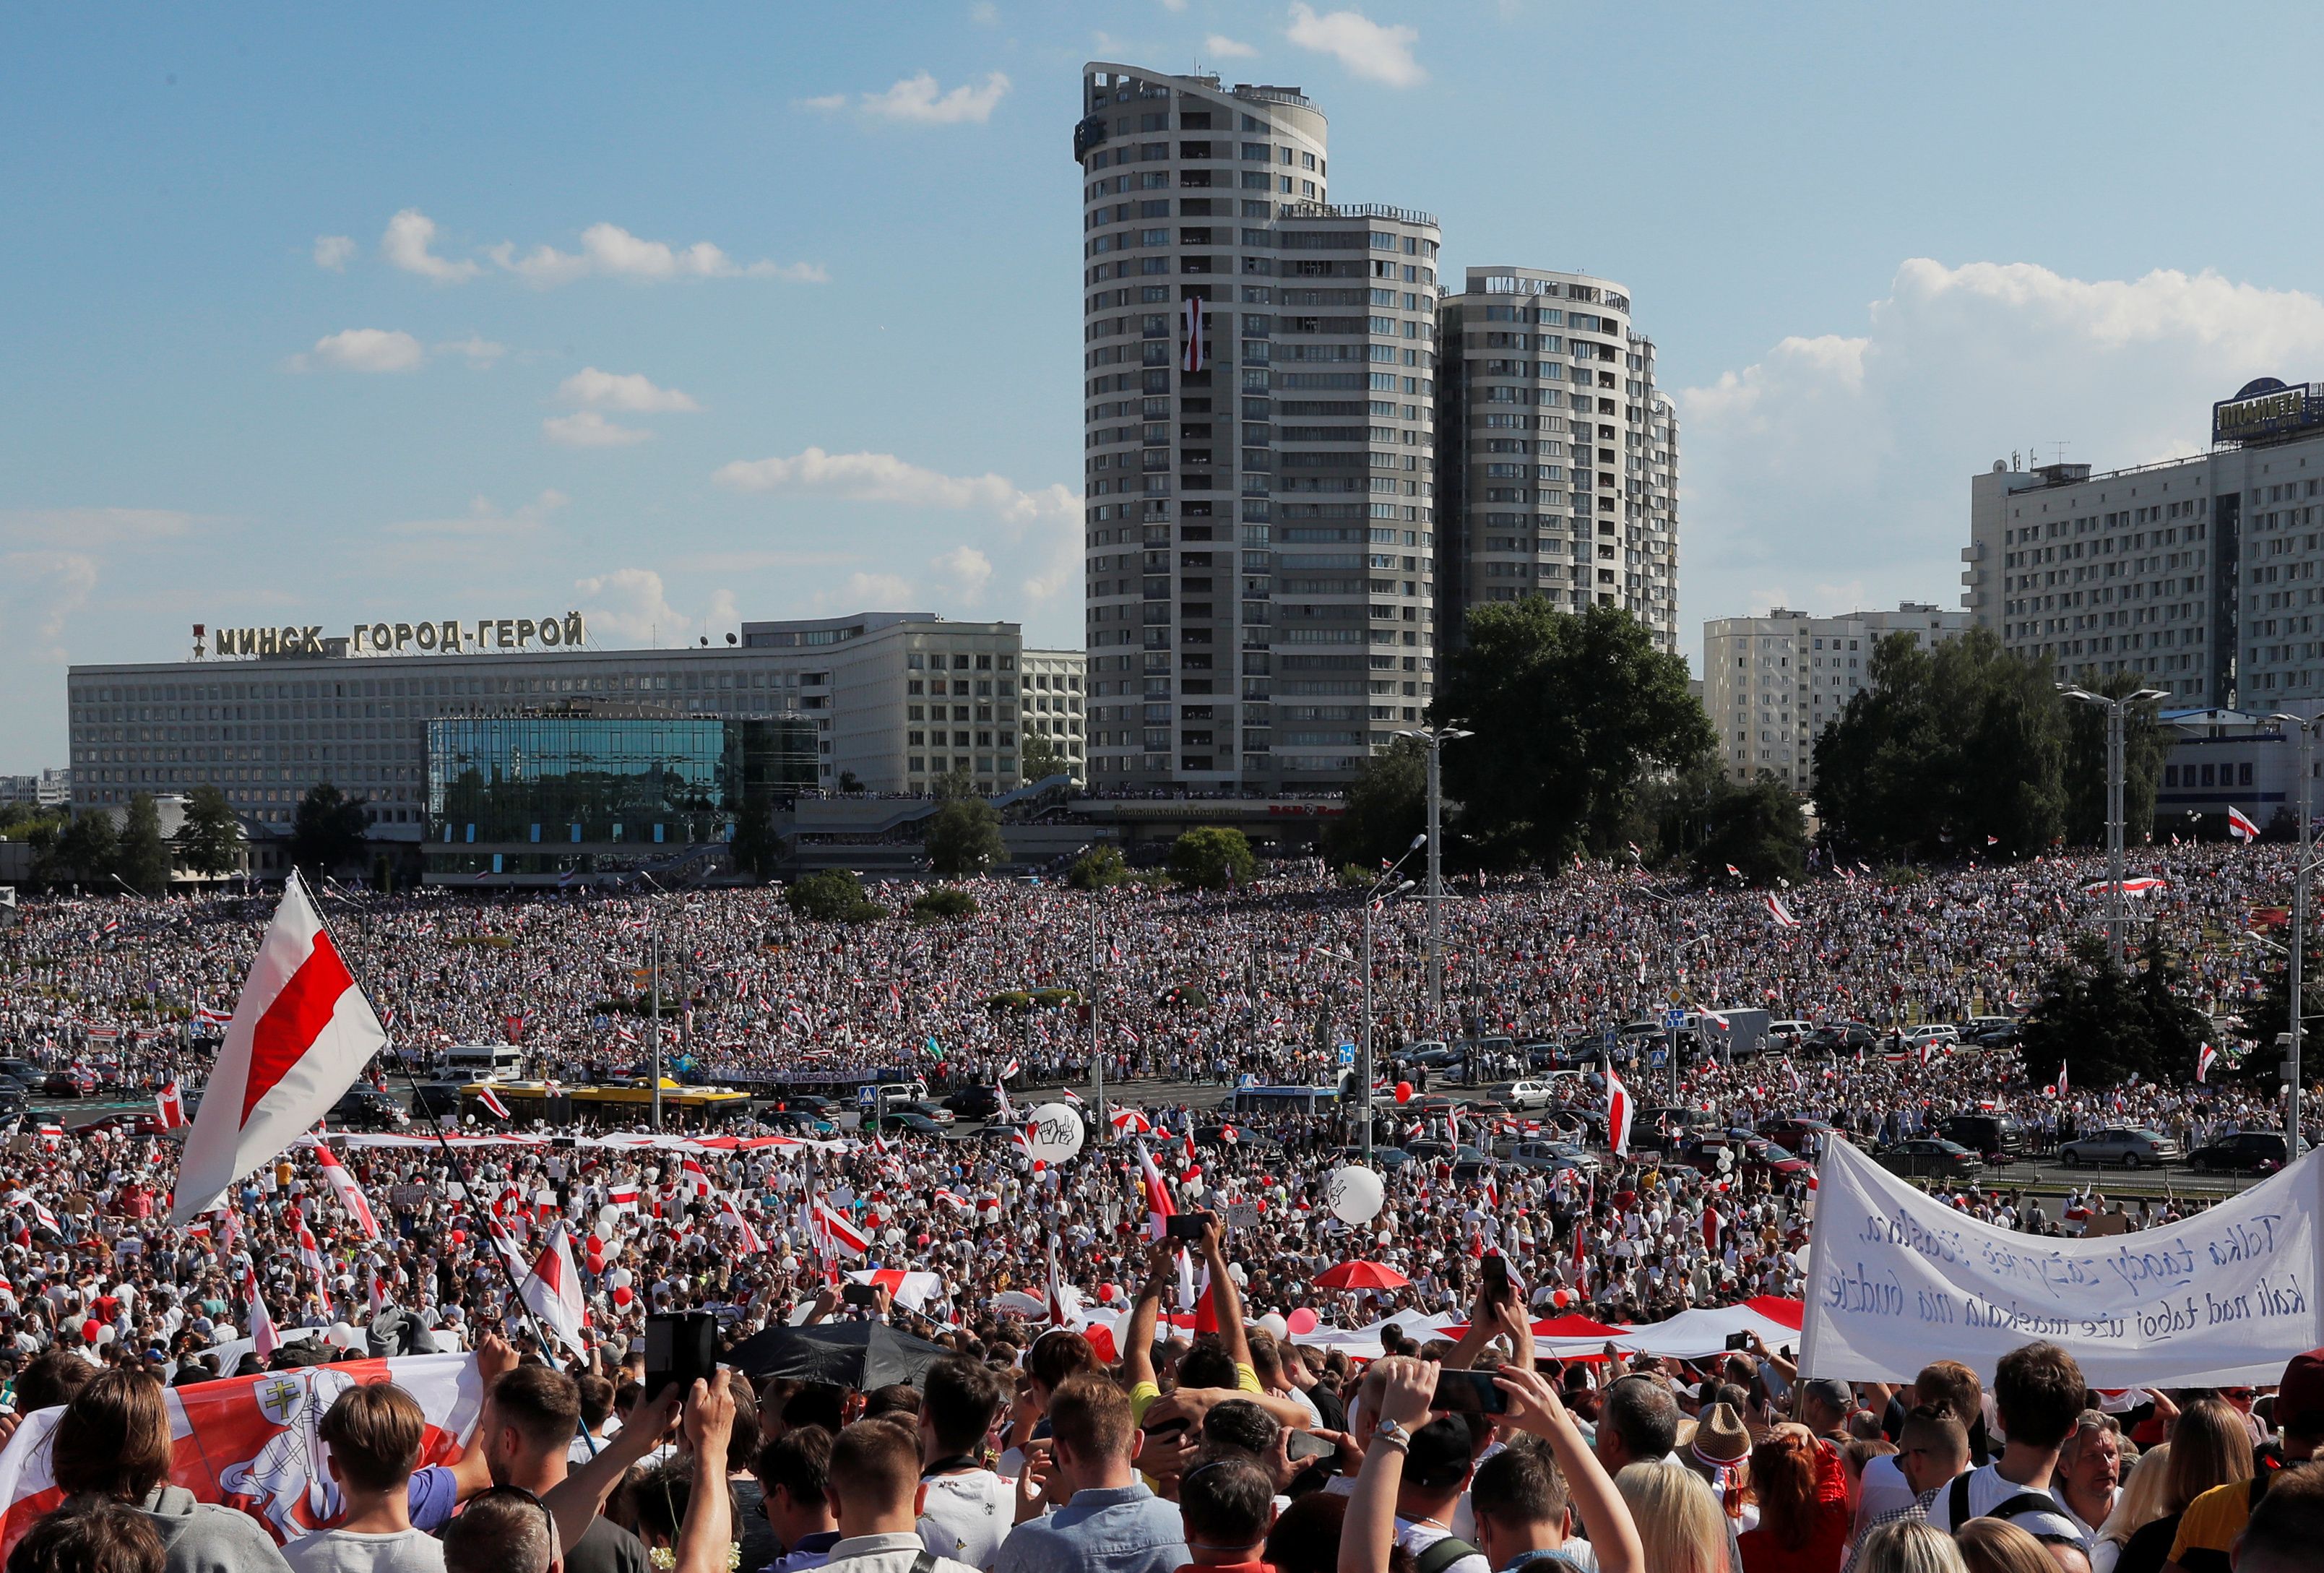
(302,1033)
(1158,1206)
(552,1291)
(2205,1058)
(732,1214)
(1618,1115)
(263,1339)
(693,1178)
(2240,827)
(839,1231)
(310,1254)
(1780,912)
(623,1197)
(170,1105)
(491,1100)
(343,1185)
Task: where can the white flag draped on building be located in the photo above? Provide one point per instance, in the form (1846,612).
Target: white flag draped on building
(300,1035)
(1898,1277)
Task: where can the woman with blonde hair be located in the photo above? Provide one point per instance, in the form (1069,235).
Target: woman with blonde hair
(1990,1545)
(1681,1526)
(1909,1546)
(2210,1445)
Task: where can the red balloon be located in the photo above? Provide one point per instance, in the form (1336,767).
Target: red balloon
(621,1296)
(1301,1322)
(1559,1300)
(597,1263)
(596,1246)
(460,1236)
(1404,1092)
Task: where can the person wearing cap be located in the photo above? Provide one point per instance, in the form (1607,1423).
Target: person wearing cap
(1824,1406)
(2214,1521)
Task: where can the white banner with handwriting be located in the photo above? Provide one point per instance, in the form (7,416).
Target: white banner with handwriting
(1897,1279)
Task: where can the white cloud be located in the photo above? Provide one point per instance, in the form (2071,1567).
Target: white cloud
(920,100)
(364,350)
(883,478)
(965,571)
(870,592)
(485,519)
(89,527)
(984,14)
(406,244)
(1227,48)
(334,251)
(587,429)
(1852,450)
(610,251)
(480,352)
(633,604)
(621,390)
(41,590)
(1367,48)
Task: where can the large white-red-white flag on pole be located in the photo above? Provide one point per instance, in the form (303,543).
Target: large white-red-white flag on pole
(302,1033)
(1780,912)
(553,1290)
(2240,827)
(1618,1115)
(344,1186)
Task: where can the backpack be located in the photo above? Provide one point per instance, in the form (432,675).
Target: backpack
(2008,1510)
(1443,1554)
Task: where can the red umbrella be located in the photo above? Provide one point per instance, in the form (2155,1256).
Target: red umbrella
(1363,1275)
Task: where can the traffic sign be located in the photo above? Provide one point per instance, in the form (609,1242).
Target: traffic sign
(1673,1019)
(1658,1058)
(1347,1055)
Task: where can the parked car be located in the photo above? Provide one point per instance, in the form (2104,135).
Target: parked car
(1383,1155)
(2244,1152)
(1236,1136)
(1991,1031)
(1790,1033)
(2132,1146)
(1744,1154)
(1930,1158)
(1551,1157)
(1841,1036)
(24,1071)
(1943,1033)
(1539,1056)
(1522,1095)
(974,1103)
(63,1084)
(365,1108)
(897,1118)
(12,1107)
(1794,1133)
(1996,1138)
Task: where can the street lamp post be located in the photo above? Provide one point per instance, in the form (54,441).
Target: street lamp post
(2295,999)
(2116,710)
(1434,739)
(1385,889)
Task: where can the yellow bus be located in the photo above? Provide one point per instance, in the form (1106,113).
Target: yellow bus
(624,1104)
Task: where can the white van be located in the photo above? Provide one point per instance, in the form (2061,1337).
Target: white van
(476,1061)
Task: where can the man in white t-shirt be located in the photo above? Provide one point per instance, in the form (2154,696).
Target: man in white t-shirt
(966,1510)
(2037,1391)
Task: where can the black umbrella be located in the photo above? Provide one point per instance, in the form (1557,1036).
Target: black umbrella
(861,1355)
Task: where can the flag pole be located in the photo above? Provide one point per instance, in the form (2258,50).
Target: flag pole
(427,1107)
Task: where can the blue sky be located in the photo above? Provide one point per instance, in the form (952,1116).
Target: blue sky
(689,314)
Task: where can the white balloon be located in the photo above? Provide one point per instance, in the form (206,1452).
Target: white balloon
(1276,1326)
(609,1218)
(619,1278)
(1357,1194)
(1057,1133)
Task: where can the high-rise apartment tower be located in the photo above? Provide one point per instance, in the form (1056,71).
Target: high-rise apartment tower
(1557,453)
(1259,389)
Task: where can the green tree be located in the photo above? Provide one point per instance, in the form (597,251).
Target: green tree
(89,849)
(756,850)
(2108,1024)
(143,860)
(1212,857)
(1098,867)
(1387,806)
(828,895)
(1569,712)
(2144,748)
(1946,747)
(209,841)
(964,838)
(1758,827)
(327,832)
(952,785)
(1043,758)
(944,901)
(2270,1016)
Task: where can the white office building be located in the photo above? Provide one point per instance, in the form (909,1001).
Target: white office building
(2200,574)
(1771,684)
(1557,452)
(898,699)
(1259,384)
(1050,704)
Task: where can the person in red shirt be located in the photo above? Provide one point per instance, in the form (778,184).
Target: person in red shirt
(1802,1487)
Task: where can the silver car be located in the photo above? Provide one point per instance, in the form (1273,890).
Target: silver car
(2132,1146)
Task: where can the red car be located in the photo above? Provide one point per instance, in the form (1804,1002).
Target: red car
(1746,1155)
(1793,1133)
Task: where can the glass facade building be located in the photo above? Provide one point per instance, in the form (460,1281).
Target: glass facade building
(555,795)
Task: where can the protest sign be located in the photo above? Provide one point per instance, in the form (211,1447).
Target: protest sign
(1900,1278)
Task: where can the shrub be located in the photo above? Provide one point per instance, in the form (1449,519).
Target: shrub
(830,896)
(944,901)
(1098,867)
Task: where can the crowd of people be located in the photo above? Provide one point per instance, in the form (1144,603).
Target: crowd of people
(1089,1403)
